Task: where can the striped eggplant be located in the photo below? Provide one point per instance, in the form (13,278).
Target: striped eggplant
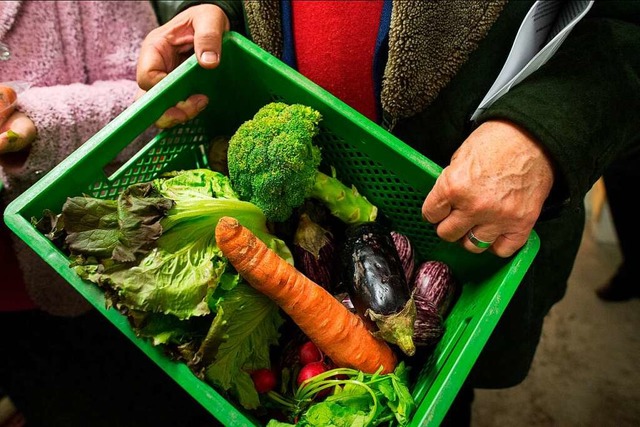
(314,252)
(428,328)
(435,283)
(372,272)
(405,252)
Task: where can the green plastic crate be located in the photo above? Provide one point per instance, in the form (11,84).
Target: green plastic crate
(388,172)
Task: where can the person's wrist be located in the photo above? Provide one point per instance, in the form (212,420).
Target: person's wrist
(558,196)
(543,161)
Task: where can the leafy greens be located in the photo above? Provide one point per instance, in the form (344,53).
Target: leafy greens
(155,245)
(358,400)
(154,252)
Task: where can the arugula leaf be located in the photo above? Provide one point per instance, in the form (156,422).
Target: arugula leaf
(359,400)
(334,414)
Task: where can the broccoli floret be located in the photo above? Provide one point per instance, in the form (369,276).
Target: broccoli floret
(273,163)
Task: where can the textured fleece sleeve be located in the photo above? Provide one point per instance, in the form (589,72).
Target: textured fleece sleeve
(583,104)
(66,117)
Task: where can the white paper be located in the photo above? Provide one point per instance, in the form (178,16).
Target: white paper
(544,28)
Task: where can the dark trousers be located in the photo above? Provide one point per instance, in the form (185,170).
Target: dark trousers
(459,414)
(83,372)
(622,183)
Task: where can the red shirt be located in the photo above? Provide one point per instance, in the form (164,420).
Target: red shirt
(334,42)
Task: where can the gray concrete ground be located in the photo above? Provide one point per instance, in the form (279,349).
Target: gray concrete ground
(586,371)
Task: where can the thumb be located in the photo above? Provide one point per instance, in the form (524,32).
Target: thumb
(436,206)
(139,94)
(209,25)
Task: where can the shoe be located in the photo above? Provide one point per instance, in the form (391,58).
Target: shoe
(620,288)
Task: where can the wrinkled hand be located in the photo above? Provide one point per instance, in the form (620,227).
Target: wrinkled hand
(199,28)
(16,133)
(495,185)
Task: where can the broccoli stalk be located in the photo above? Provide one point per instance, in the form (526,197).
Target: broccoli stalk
(273,163)
(343,202)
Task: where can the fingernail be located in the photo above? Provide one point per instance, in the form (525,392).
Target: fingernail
(209,57)
(202,104)
(163,122)
(12,137)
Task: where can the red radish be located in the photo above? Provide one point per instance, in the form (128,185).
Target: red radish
(264,380)
(310,370)
(309,353)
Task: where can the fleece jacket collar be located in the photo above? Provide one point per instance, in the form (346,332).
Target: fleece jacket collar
(428,43)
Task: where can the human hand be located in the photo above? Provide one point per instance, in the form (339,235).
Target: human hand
(199,28)
(495,186)
(182,112)
(17,132)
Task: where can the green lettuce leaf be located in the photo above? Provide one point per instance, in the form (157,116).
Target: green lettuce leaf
(248,328)
(168,329)
(156,245)
(121,229)
(195,184)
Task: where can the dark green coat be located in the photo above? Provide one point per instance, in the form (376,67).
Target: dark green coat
(582,106)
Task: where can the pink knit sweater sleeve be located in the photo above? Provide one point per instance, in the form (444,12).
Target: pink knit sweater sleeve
(66,117)
(80,59)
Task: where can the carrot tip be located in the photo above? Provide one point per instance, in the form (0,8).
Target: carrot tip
(226,227)
(229,222)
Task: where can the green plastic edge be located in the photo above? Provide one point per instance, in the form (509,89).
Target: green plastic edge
(441,393)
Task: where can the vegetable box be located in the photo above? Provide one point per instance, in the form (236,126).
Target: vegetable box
(389,173)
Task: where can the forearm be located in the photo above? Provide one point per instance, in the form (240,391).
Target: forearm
(65,117)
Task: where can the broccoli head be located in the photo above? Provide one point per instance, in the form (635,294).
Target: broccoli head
(273,163)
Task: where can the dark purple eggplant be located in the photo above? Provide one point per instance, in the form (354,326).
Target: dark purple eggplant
(314,252)
(345,300)
(374,278)
(406,254)
(435,283)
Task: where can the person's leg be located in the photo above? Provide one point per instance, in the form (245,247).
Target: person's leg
(84,372)
(621,181)
(459,414)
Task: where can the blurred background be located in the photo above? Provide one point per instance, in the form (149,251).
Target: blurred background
(585,372)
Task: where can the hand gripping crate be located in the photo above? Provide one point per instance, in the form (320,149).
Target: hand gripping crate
(389,173)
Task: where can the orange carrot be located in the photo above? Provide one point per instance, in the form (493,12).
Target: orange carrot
(336,331)
(8,98)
